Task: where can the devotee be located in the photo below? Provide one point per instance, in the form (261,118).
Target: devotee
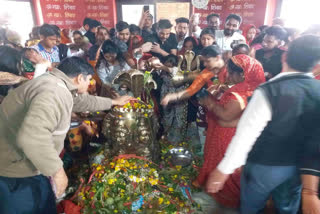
(91,33)
(194,28)
(270,55)
(47,45)
(33,65)
(10,64)
(80,45)
(240,49)
(225,37)
(64,50)
(174,117)
(102,35)
(250,33)
(276,135)
(85,26)
(213,21)
(213,63)
(134,30)
(182,28)
(163,41)
(292,34)
(35,118)
(34,37)
(123,31)
(189,44)
(145,24)
(207,37)
(110,63)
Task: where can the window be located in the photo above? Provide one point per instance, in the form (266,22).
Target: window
(300,14)
(17,16)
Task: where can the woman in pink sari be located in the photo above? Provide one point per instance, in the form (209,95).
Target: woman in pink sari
(223,115)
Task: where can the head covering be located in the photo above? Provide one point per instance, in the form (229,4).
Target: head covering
(246,30)
(253,75)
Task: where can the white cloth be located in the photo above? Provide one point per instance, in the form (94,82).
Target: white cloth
(197,32)
(82,30)
(224,42)
(251,124)
(180,43)
(40,69)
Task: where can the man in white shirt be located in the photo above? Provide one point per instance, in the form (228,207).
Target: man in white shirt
(182,27)
(277,137)
(224,38)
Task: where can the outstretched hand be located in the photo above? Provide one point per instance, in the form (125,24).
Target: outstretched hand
(120,101)
(168,98)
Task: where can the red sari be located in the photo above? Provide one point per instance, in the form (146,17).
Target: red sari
(218,137)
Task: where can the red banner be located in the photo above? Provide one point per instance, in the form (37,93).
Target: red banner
(70,13)
(251,11)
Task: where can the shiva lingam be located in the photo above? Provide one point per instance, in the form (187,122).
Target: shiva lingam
(136,80)
(131,129)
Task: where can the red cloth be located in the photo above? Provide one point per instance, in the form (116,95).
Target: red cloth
(245,32)
(68,207)
(201,80)
(218,137)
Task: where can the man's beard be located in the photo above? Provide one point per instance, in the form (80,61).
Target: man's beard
(228,32)
(182,35)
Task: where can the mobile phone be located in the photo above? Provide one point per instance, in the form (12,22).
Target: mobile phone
(146,8)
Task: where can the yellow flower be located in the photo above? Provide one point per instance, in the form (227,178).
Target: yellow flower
(99,168)
(160,200)
(115,211)
(181,204)
(154,182)
(122,190)
(168,202)
(171,189)
(146,115)
(111,181)
(178,168)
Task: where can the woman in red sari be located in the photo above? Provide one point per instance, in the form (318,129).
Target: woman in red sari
(250,33)
(223,115)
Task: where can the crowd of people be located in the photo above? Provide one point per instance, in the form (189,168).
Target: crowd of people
(248,104)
